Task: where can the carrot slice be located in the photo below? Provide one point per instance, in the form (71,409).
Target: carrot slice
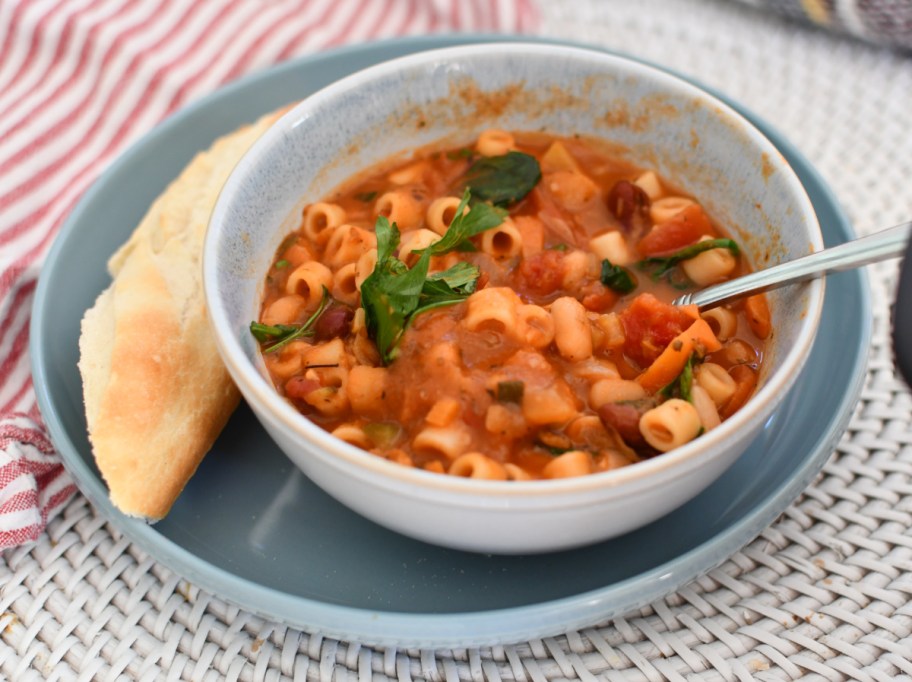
(533,234)
(671,362)
(691,310)
(745,383)
(758,315)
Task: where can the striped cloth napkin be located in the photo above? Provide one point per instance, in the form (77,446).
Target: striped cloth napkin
(80,80)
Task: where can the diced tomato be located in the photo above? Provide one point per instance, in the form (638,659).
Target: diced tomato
(649,326)
(542,273)
(684,229)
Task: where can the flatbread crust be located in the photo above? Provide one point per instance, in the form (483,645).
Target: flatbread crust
(156,392)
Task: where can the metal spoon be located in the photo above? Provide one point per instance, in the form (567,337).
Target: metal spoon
(902,319)
(879,246)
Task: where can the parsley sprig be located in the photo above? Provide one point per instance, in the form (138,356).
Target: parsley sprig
(272,337)
(481,217)
(394,294)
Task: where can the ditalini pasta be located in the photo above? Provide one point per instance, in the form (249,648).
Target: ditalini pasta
(502,311)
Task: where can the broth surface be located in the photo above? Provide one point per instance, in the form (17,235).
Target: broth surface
(543,362)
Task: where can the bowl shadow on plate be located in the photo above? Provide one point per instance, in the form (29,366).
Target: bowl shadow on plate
(335,546)
(236,512)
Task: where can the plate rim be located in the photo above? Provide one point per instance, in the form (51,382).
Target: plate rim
(435,630)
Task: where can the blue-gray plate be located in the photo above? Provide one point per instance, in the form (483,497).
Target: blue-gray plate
(252,530)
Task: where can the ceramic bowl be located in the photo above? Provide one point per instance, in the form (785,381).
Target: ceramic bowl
(656,120)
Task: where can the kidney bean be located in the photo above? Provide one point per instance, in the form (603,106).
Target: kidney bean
(625,419)
(629,204)
(598,298)
(334,322)
(297,388)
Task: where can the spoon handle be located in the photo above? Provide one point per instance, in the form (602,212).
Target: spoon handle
(902,319)
(870,249)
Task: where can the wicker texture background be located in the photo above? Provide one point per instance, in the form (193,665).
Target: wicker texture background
(823,594)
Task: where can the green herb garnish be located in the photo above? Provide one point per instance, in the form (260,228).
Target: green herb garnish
(287,243)
(481,217)
(274,337)
(394,294)
(281,264)
(268,332)
(457,154)
(558,247)
(554,443)
(366,197)
(391,292)
(617,278)
(682,386)
(381,434)
(661,266)
(447,288)
(510,391)
(553,450)
(503,179)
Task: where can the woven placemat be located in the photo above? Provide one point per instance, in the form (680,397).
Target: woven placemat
(822,594)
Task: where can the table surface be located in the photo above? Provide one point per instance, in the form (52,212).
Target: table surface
(821,594)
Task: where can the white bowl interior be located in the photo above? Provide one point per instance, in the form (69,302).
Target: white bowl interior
(654,119)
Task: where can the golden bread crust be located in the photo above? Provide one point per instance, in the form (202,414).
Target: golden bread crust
(156,392)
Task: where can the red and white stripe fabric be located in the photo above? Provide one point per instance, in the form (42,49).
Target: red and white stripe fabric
(80,80)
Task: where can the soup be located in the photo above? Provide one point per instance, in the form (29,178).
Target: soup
(503,310)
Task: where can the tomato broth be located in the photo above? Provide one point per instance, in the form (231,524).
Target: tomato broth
(502,310)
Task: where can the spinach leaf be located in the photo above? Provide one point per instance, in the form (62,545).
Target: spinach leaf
(617,278)
(456,155)
(662,265)
(503,179)
(682,386)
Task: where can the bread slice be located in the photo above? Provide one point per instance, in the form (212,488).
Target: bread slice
(156,392)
